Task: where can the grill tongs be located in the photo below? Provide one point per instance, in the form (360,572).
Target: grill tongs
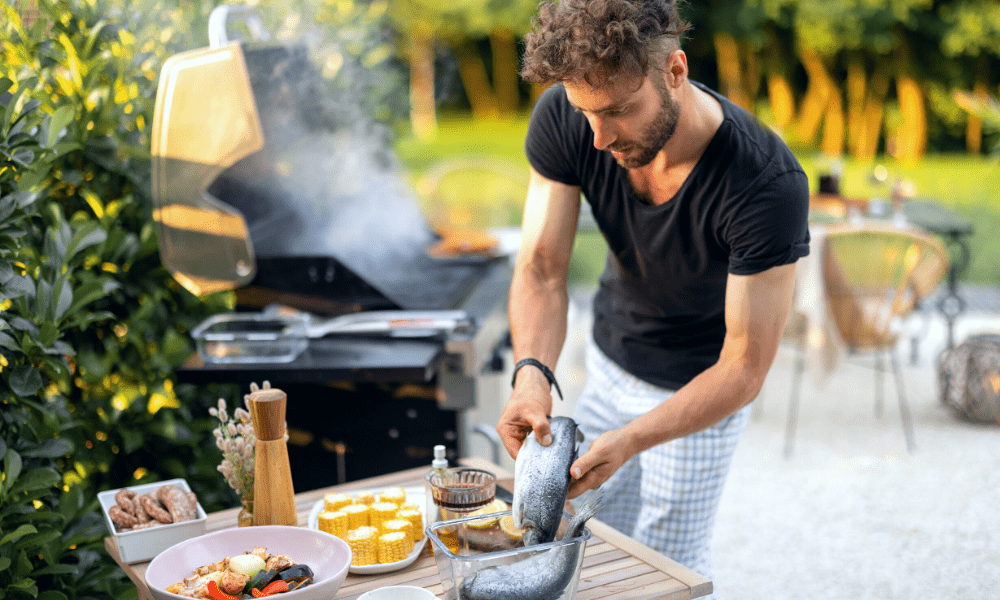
(394,323)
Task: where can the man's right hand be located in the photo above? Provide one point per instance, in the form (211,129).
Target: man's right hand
(527,410)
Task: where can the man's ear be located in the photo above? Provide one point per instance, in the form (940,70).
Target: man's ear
(677,68)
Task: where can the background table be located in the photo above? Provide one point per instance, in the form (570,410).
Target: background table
(614,565)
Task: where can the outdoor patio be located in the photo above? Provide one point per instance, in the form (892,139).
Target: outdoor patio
(851,514)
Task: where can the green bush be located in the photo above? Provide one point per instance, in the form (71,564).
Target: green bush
(91,324)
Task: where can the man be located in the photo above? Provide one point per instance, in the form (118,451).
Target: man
(705,215)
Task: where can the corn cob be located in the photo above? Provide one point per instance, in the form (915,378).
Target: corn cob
(334,522)
(382,511)
(392,547)
(364,498)
(334,501)
(416,519)
(400,525)
(364,549)
(358,515)
(395,495)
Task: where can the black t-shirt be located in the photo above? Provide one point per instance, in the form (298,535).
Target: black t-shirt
(659,311)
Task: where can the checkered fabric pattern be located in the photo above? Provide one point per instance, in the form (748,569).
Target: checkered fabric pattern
(667,496)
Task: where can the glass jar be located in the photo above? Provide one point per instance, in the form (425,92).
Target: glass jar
(245,518)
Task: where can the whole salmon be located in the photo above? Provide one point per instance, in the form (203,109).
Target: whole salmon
(541,481)
(543,576)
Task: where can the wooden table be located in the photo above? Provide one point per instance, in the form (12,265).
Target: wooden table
(614,565)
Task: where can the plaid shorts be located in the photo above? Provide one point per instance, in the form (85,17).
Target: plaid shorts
(667,496)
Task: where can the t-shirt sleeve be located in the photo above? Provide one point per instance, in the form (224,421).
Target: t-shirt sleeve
(548,144)
(772,229)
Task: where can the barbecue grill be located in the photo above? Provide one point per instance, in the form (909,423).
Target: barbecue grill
(266,185)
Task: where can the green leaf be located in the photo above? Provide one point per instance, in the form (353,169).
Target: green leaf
(18,533)
(25,380)
(52,595)
(48,333)
(60,569)
(87,235)
(34,541)
(6,341)
(4,563)
(5,84)
(71,502)
(58,122)
(19,285)
(65,298)
(11,468)
(51,448)
(36,479)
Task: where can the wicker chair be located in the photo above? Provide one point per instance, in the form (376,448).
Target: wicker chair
(875,275)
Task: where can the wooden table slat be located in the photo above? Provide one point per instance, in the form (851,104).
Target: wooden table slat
(614,565)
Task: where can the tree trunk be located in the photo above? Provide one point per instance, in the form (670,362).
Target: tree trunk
(477,85)
(866,102)
(832,143)
(974,126)
(911,140)
(505,71)
(423,116)
(816,99)
(727,55)
(782,99)
(871,126)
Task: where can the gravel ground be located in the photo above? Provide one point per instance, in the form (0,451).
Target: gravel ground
(851,514)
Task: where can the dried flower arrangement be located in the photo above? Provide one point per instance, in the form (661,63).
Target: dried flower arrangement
(235,438)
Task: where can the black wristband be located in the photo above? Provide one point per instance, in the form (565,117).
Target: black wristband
(545,371)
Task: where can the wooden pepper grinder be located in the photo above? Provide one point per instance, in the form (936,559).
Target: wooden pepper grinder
(274,497)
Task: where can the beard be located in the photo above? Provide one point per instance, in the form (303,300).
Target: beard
(642,152)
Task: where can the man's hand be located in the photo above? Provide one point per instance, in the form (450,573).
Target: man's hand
(608,452)
(528,409)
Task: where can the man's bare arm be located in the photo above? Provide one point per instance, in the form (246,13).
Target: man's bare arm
(757,307)
(538,304)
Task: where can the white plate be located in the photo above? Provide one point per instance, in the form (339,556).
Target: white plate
(415,495)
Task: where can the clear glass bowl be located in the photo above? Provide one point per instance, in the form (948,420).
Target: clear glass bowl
(458,492)
(251,338)
(484,544)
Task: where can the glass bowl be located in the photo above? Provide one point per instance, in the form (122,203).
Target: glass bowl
(251,338)
(474,554)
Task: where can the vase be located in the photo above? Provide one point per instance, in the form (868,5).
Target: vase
(245,518)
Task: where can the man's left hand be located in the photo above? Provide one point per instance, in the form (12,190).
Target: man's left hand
(608,452)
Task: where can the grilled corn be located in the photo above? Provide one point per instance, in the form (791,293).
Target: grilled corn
(393,547)
(395,495)
(382,511)
(358,515)
(402,526)
(416,519)
(364,549)
(334,522)
(334,501)
(364,498)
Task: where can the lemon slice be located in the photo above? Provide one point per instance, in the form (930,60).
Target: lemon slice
(507,526)
(494,507)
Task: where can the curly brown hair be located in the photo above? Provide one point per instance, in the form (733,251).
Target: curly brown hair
(595,40)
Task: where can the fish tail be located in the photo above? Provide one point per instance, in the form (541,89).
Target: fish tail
(589,508)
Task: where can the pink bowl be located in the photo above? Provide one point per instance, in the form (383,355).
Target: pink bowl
(328,556)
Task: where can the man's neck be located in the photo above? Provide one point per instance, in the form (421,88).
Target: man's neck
(700,117)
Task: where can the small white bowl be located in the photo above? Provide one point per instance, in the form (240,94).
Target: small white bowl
(143,544)
(398,592)
(328,556)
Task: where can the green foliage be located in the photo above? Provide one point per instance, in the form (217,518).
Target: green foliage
(91,324)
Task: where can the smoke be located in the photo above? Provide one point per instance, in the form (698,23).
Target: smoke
(327,181)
